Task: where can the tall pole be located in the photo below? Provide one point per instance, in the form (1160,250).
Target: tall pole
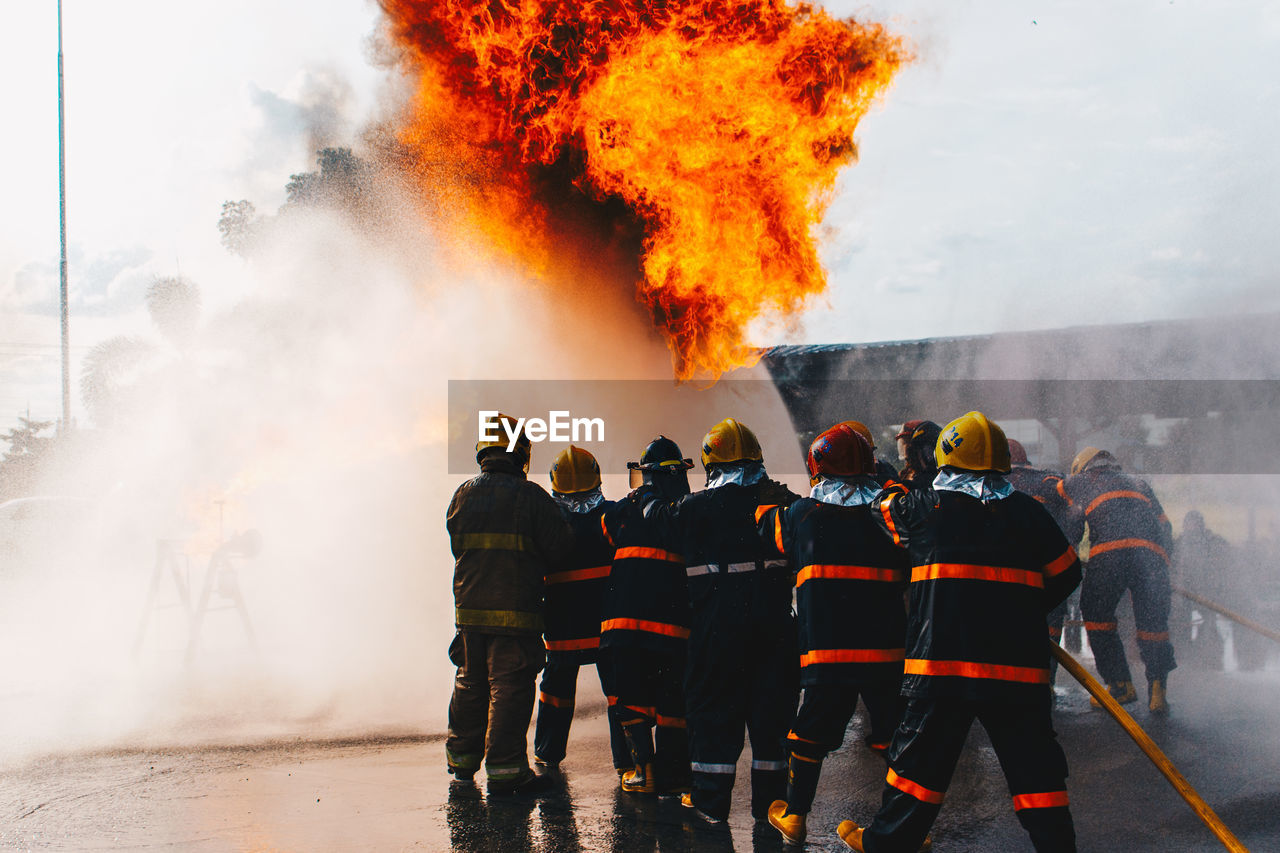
(62,228)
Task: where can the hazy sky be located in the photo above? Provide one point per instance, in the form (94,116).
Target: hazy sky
(1042,164)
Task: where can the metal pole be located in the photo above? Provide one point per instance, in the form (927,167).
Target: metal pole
(62,228)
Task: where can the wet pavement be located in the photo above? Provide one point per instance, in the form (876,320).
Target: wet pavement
(391,793)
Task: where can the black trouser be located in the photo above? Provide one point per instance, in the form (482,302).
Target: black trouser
(556,699)
(1146,576)
(820,725)
(492,703)
(649,694)
(741,677)
(923,756)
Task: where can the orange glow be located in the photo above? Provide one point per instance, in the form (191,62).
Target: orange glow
(713,130)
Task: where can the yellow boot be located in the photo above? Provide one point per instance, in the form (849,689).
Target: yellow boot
(640,780)
(792,826)
(1122,691)
(851,834)
(1159,701)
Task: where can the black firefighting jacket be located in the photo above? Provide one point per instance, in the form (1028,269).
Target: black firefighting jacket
(983,577)
(725,558)
(505,532)
(1042,485)
(1122,512)
(849,584)
(576,588)
(646,604)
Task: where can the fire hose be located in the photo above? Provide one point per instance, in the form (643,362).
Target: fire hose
(1233,616)
(1148,746)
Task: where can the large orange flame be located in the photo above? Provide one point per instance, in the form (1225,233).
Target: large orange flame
(719,124)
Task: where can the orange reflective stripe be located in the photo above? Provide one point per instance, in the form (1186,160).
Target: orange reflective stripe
(794,736)
(1117,544)
(1061,564)
(573,645)
(578,575)
(879,747)
(1154,636)
(555,701)
(762,509)
(852,656)
(604,528)
(851,573)
(1110,496)
(612,700)
(1048,800)
(888,519)
(648,712)
(672,722)
(1099,626)
(644,625)
(1055,631)
(963,571)
(798,757)
(969,669)
(920,792)
(1061,489)
(635,552)
(777,532)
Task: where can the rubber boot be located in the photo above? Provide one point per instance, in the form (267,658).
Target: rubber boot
(792,826)
(1122,691)
(802,783)
(851,834)
(1158,703)
(640,779)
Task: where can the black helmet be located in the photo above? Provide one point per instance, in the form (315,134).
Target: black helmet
(662,465)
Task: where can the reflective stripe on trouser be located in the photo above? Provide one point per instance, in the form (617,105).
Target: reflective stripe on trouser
(820,726)
(923,756)
(556,701)
(492,701)
(647,686)
(1146,576)
(740,678)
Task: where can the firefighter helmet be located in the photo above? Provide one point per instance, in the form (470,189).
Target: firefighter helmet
(1087,456)
(523,447)
(1017,453)
(908,428)
(841,451)
(574,470)
(861,429)
(660,462)
(730,441)
(973,443)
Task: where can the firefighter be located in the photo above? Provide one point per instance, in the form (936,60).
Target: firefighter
(574,590)
(921,467)
(903,438)
(743,671)
(988,564)
(885,473)
(505,532)
(644,629)
(1042,485)
(1129,543)
(852,624)
(1202,560)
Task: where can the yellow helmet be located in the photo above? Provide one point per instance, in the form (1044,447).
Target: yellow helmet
(973,443)
(730,441)
(1084,457)
(574,470)
(502,441)
(861,429)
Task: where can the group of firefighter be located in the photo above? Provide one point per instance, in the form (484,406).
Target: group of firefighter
(923,592)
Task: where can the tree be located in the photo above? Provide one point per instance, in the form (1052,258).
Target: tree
(108,375)
(174,305)
(239,225)
(341,182)
(27,454)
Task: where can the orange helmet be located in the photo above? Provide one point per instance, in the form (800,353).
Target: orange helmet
(840,452)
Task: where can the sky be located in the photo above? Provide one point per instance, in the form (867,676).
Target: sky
(1040,164)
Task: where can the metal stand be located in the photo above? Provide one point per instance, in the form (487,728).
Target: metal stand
(222,575)
(168,557)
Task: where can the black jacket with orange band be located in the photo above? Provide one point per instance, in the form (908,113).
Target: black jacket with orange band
(576,588)
(1122,512)
(849,585)
(983,577)
(647,602)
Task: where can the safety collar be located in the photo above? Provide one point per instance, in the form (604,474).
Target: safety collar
(741,473)
(580,501)
(984,487)
(842,491)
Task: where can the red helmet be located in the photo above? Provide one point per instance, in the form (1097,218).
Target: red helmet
(908,428)
(1017,453)
(840,452)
